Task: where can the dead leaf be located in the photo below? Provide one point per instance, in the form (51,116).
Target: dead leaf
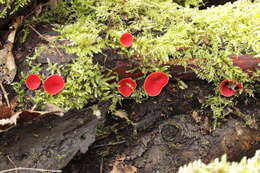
(120,168)
(5,112)
(55,108)
(53,4)
(122,114)
(195,115)
(7,63)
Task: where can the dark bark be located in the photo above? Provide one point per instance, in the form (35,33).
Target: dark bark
(173,130)
(51,142)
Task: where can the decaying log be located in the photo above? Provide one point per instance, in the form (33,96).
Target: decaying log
(173,130)
(51,142)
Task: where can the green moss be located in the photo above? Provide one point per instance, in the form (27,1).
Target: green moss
(85,82)
(251,165)
(188,3)
(7,4)
(160,28)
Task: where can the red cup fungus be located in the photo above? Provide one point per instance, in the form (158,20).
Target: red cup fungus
(33,81)
(53,84)
(126,39)
(228,88)
(126,86)
(154,83)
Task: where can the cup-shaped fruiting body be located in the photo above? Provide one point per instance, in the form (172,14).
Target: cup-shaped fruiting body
(126,86)
(33,81)
(155,82)
(126,39)
(228,88)
(53,84)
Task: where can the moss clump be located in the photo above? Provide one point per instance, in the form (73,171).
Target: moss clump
(251,165)
(85,83)
(161,28)
(14,5)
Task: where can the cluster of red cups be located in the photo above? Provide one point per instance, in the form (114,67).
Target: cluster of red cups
(52,85)
(153,83)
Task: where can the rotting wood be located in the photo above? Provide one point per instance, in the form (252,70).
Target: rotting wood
(170,135)
(50,142)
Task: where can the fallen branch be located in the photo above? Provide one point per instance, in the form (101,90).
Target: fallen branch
(29,169)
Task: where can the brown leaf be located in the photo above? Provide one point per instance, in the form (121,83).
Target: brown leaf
(5,112)
(53,4)
(54,108)
(120,168)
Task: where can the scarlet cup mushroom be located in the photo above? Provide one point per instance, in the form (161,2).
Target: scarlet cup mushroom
(228,88)
(53,84)
(155,82)
(126,86)
(126,39)
(33,81)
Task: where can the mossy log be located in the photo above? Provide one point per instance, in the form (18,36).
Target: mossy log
(52,142)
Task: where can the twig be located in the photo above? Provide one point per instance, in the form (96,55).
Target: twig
(29,169)
(101,166)
(12,163)
(40,35)
(5,94)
